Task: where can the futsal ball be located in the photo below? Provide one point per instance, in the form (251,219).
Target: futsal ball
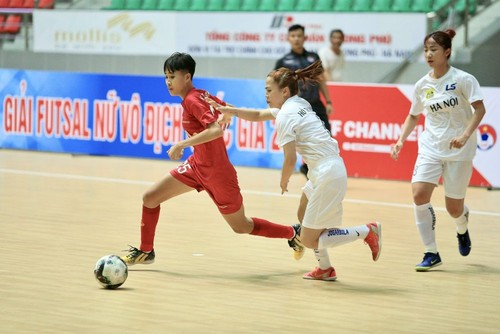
(110,271)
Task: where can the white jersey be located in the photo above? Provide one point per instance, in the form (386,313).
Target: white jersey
(296,121)
(446,104)
(332,62)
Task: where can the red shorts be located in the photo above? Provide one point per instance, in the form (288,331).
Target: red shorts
(221,184)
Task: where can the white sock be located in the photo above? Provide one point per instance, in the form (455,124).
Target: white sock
(338,236)
(322,258)
(462,221)
(426,224)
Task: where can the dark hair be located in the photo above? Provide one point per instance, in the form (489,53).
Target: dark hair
(334,31)
(180,62)
(286,77)
(296,27)
(442,38)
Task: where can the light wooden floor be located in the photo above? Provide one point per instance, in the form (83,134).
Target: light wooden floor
(60,213)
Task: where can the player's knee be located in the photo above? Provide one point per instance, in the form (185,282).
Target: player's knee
(309,243)
(148,200)
(455,211)
(240,229)
(420,198)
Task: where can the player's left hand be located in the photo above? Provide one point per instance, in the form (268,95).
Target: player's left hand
(175,152)
(458,142)
(284,186)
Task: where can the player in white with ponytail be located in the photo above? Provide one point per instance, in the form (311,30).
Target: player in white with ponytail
(299,130)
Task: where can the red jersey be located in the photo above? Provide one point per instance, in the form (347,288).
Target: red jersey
(208,168)
(197,115)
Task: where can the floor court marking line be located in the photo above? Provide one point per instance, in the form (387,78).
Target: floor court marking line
(250,192)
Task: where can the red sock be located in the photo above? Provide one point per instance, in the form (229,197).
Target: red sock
(148,227)
(265,228)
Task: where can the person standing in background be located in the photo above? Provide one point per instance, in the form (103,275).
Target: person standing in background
(332,57)
(299,58)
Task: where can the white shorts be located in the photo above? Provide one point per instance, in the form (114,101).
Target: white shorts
(456,174)
(325,191)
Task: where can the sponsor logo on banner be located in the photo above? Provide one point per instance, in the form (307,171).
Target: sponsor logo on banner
(108,32)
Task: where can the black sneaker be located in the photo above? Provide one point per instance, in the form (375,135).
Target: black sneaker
(430,260)
(136,256)
(295,244)
(464,244)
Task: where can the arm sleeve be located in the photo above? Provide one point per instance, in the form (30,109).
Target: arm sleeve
(471,89)
(279,64)
(417,106)
(203,111)
(286,131)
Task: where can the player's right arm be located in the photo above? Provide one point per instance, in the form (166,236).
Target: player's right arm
(254,115)
(408,126)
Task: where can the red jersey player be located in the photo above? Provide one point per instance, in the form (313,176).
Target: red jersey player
(208,169)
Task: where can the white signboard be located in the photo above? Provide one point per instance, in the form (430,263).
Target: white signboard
(368,37)
(104,32)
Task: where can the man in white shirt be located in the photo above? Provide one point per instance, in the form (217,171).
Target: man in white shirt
(332,57)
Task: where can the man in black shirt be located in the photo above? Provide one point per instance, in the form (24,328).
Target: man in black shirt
(299,58)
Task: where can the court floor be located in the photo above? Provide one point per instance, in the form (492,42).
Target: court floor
(59,213)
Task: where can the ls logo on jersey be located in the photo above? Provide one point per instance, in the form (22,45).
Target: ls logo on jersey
(487,137)
(452,86)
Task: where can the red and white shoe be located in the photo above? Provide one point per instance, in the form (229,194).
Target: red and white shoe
(322,275)
(374,239)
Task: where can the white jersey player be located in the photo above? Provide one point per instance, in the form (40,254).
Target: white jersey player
(299,130)
(451,101)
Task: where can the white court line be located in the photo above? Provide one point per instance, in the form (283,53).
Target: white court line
(250,192)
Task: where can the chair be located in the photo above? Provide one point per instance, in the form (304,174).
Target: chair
(232,5)
(250,5)
(401,6)
(46,4)
(215,5)
(361,5)
(381,6)
(197,5)
(439,4)
(116,4)
(267,5)
(460,6)
(165,5)
(343,5)
(133,4)
(304,6)
(12,24)
(16,3)
(286,5)
(149,4)
(323,6)
(29,4)
(421,6)
(182,5)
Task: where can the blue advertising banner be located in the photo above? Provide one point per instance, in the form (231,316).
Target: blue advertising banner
(121,115)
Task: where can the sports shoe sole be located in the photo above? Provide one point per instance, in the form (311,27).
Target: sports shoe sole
(420,269)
